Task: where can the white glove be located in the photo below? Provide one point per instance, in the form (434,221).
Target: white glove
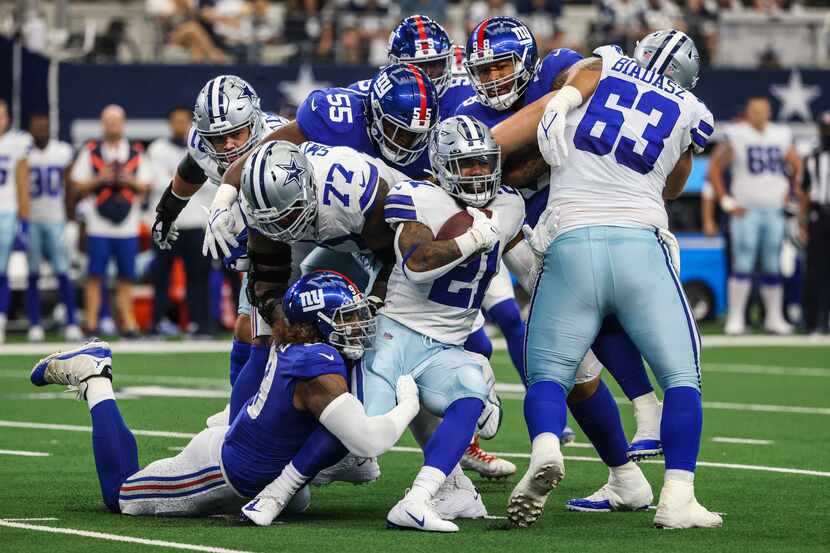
(550,134)
(219,233)
(484,230)
(674,248)
(540,237)
(406,390)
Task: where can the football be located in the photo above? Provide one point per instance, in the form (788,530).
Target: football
(458,225)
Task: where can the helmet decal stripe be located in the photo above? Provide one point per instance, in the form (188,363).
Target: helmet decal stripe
(422,33)
(262,163)
(209,99)
(220,98)
(482,27)
(258,192)
(422,92)
(659,51)
(671,55)
(215,93)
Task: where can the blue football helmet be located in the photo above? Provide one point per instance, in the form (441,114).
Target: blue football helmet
(403,110)
(495,40)
(422,42)
(334,305)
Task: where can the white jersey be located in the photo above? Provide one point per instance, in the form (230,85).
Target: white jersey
(165,156)
(446,308)
(200,155)
(758,168)
(14,146)
(623,143)
(46,185)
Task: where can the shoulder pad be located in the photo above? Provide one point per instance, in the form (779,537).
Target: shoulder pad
(405,199)
(309,361)
(331,111)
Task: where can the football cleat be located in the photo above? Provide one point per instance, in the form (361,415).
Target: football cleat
(74,367)
(458,498)
(486,464)
(73,333)
(411,514)
(568,436)
(356,470)
(546,470)
(36,334)
(272,501)
(222,418)
(678,508)
(627,490)
(734,326)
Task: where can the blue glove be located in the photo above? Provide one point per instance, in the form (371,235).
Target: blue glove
(238,259)
(22,236)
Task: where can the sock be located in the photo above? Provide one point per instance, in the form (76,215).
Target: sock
(319,451)
(479,342)
(772,295)
(33,300)
(4,294)
(508,318)
(681,475)
(599,418)
(545,409)
(98,390)
(239,356)
(426,484)
(67,296)
(249,379)
(681,427)
(738,290)
(452,437)
(647,413)
(620,356)
(114,448)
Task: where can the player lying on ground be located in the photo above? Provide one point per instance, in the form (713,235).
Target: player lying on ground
(302,404)
(612,213)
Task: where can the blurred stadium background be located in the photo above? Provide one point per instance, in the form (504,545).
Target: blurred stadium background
(71,58)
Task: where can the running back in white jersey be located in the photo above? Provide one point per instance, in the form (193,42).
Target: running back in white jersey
(759,176)
(46,184)
(623,143)
(14,145)
(446,308)
(200,154)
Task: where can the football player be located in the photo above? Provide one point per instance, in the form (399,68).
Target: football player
(435,292)
(49,161)
(227,123)
(503,65)
(764,165)
(14,201)
(609,196)
(302,406)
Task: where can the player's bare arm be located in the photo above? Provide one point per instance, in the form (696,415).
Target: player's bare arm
(796,169)
(424,252)
(22,181)
(720,159)
(380,239)
(523,168)
(269,274)
(315,395)
(676,180)
(290,132)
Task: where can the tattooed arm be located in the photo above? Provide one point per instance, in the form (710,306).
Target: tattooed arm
(420,252)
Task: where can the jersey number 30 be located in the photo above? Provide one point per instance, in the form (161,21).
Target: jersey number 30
(457,286)
(601,125)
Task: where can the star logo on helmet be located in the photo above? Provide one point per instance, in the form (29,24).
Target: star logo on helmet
(246,93)
(293,172)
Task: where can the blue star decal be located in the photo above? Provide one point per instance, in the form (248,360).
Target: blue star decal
(293,172)
(247,93)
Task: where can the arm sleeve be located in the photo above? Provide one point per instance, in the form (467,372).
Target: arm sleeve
(366,436)
(190,171)
(701,130)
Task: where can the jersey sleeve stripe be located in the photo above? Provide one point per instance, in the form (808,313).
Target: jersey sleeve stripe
(398,214)
(705,127)
(399,199)
(367,199)
(698,139)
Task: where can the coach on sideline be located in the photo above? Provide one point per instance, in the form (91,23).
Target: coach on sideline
(114,175)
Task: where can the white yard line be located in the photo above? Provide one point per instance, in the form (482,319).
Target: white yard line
(745,441)
(206,382)
(117,537)
(79,428)
(36,519)
(21,453)
(765,370)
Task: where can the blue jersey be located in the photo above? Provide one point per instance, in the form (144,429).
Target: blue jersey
(456,93)
(339,117)
(554,63)
(269,431)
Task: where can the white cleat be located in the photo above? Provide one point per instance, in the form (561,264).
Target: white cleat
(411,514)
(73,333)
(486,464)
(355,470)
(778,326)
(74,367)
(222,418)
(458,498)
(678,508)
(107,326)
(627,490)
(546,470)
(36,334)
(734,327)
(272,501)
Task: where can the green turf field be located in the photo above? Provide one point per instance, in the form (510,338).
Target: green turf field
(779,395)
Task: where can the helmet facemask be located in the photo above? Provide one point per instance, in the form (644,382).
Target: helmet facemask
(503,92)
(224,159)
(426,64)
(294,223)
(353,327)
(388,132)
(476,189)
